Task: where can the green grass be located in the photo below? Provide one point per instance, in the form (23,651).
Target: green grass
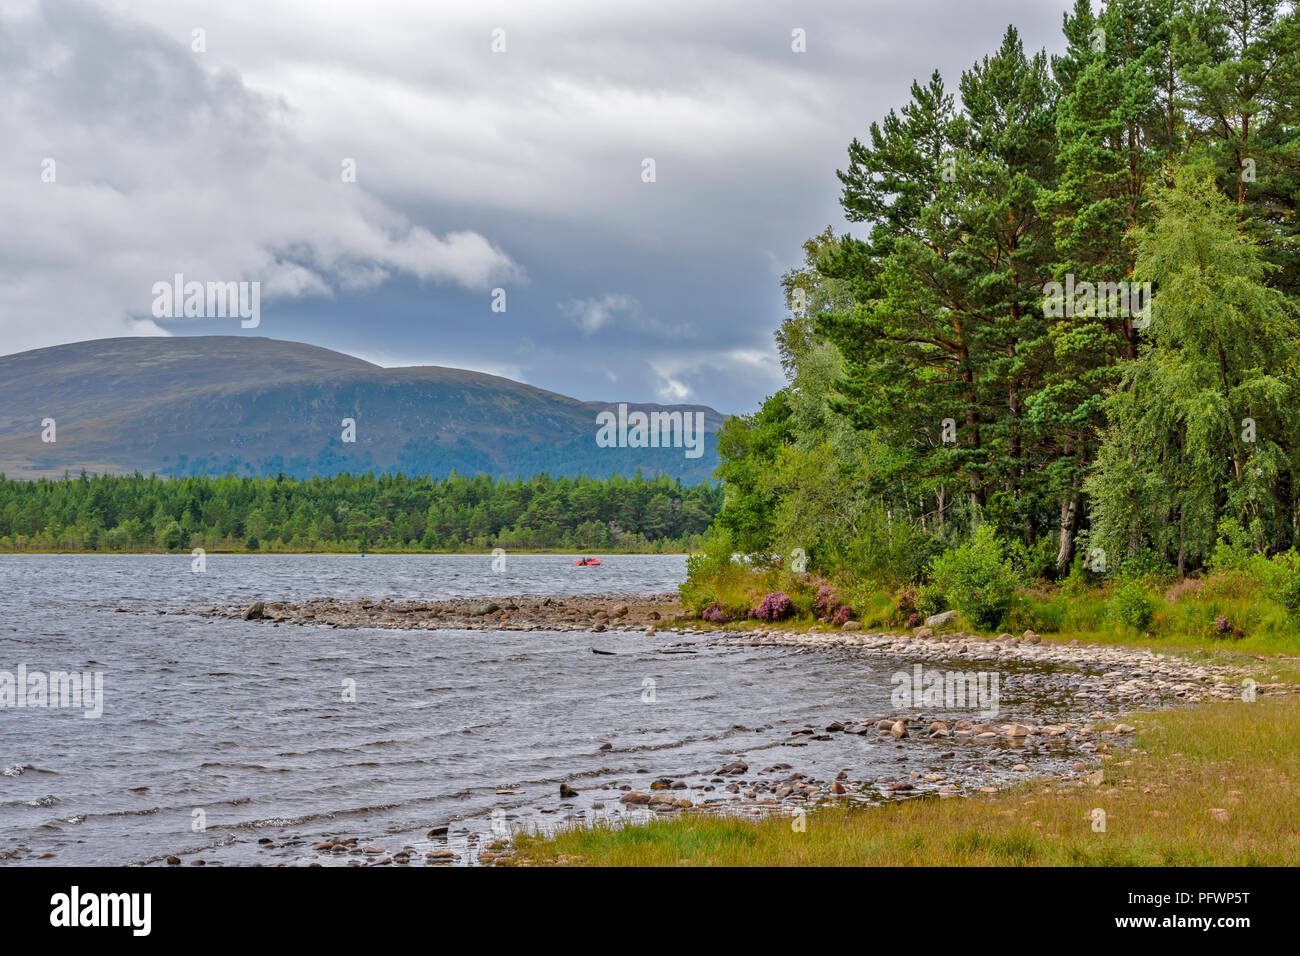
(1157,798)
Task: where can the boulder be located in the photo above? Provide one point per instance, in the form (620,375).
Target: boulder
(922,633)
(940,620)
(255,611)
(852,626)
(636,797)
(567,791)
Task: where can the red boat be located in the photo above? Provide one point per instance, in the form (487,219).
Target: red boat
(586,562)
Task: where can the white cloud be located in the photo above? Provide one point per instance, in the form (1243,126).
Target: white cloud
(591,315)
(165,164)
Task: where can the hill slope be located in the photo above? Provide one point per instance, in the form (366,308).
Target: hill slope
(214,404)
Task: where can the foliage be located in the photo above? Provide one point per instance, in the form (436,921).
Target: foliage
(931,385)
(979,578)
(774,607)
(1132,606)
(346,512)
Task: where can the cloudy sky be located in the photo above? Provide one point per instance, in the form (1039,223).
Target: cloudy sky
(475,170)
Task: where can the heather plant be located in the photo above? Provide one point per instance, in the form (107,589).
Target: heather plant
(774,607)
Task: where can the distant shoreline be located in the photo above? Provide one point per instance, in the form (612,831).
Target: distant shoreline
(477,554)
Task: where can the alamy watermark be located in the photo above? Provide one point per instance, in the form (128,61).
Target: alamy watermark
(954,690)
(651,430)
(1101,299)
(57,689)
(179,299)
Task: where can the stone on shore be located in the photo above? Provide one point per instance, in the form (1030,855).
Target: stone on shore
(942,619)
(255,611)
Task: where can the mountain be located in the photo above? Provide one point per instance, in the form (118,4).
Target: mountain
(209,405)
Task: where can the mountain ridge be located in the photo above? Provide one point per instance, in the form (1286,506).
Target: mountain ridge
(211,405)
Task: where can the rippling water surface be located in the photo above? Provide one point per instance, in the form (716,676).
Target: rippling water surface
(243,727)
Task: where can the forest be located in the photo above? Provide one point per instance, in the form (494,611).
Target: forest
(353,513)
(1059,347)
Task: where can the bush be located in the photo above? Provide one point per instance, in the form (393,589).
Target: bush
(715,613)
(701,569)
(1235,546)
(1284,580)
(774,607)
(979,578)
(930,599)
(1132,606)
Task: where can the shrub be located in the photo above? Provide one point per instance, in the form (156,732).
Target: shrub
(774,607)
(842,615)
(905,605)
(1235,545)
(826,602)
(930,599)
(1284,580)
(716,614)
(1132,606)
(979,578)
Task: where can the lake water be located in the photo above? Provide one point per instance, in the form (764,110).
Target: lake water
(217,733)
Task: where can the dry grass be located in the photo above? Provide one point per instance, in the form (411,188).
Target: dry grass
(1218,785)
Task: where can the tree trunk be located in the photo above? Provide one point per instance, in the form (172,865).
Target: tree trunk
(1069,518)
(1182,540)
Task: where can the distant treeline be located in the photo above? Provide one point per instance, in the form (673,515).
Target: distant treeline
(353,512)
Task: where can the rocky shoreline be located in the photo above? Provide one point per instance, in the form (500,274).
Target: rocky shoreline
(518,613)
(1092,685)
(1134,676)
